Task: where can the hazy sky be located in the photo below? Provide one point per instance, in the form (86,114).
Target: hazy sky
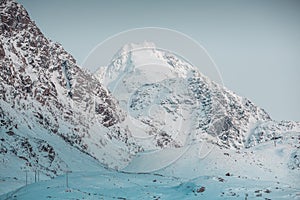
(255,44)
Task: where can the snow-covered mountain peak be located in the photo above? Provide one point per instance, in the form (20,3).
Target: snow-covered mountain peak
(173,102)
(134,47)
(149,62)
(153,110)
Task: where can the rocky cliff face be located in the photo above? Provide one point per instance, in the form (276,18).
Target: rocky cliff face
(43,91)
(177,105)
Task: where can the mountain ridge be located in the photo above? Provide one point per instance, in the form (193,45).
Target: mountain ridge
(138,72)
(44,92)
(56,116)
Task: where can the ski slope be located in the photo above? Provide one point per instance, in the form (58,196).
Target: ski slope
(203,171)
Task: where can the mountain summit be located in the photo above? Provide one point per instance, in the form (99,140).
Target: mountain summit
(177,105)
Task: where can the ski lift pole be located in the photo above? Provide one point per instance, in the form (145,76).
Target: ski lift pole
(35,175)
(26,177)
(67,177)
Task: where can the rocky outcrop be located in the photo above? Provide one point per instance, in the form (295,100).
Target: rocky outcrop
(44,91)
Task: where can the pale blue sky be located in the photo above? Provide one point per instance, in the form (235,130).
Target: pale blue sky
(255,44)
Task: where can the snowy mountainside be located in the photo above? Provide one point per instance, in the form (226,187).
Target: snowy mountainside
(260,172)
(43,92)
(198,128)
(158,114)
(175,104)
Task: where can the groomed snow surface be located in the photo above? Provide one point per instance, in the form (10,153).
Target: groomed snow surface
(204,171)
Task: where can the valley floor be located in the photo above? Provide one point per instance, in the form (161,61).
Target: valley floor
(203,171)
(113,185)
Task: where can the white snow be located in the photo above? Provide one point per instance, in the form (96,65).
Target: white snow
(259,172)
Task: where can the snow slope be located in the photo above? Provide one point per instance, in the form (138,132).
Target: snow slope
(119,185)
(48,104)
(203,171)
(170,103)
(169,131)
